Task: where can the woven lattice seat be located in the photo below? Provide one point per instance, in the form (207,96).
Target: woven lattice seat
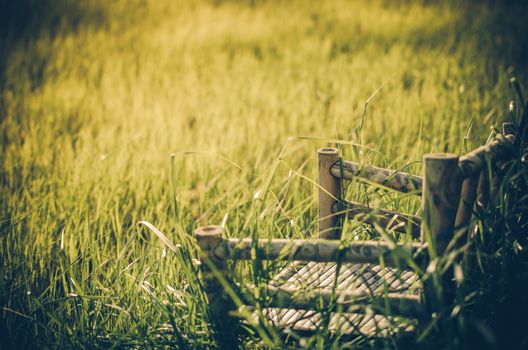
(360,279)
(357,278)
(368,323)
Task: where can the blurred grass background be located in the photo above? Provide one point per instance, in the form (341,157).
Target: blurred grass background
(96,96)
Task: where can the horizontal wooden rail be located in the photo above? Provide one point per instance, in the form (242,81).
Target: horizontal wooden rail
(302,299)
(498,149)
(397,180)
(388,219)
(318,250)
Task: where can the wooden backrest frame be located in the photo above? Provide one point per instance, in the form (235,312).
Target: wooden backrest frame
(449,188)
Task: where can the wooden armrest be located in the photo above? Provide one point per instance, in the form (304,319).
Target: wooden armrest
(318,250)
(396,180)
(498,149)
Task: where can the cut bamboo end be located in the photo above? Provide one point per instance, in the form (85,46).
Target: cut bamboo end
(328,151)
(209,231)
(209,238)
(329,194)
(443,157)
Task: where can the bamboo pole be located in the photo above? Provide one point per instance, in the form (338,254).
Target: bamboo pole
(329,194)
(497,149)
(468,194)
(318,250)
(220,305)
(303,299)
(441,195)
(440,201)
(389,219)
(484,190)
(481,201)
(397,180)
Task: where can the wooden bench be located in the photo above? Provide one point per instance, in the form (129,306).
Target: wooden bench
(349,286)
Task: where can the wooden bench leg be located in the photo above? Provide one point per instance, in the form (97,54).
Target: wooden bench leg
(225,327)
(441,196)
(329,194)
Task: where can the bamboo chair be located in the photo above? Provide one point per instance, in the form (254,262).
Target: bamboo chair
(360,285)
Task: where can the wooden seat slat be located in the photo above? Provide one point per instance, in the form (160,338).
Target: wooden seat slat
(370,324)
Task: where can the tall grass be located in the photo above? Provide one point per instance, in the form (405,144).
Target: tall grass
(96,96)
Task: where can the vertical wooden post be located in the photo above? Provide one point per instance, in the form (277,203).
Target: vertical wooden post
(441,195)
(225,328)
(483,189)
(329,194)
(480,200)
(467,201)
(468,195)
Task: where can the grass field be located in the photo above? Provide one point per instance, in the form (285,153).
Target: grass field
(96,96)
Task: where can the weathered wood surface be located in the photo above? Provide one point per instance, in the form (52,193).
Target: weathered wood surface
(476,188)
(483,190)
(329,193)
(498,149)
(367,324)
(468,195)
(305,299)
(441,195)
(360,279)
(391,220)
(219,303)
(318,250)
(397,180)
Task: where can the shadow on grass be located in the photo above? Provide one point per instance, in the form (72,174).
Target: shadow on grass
(23,21)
